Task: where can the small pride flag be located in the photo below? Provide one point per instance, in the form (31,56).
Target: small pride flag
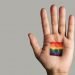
(56,48)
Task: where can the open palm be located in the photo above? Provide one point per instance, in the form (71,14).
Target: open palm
(58,34)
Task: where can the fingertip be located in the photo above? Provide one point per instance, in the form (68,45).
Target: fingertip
(53,7)
(71,19)
(42,11)
(62,9)
(29,35)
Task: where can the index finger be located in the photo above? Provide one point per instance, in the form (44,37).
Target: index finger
(45,22)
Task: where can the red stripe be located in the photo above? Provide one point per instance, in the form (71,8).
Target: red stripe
(56,42)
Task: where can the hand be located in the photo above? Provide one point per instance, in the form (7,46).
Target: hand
(55,64)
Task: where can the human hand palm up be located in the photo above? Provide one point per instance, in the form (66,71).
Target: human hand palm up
(59,34)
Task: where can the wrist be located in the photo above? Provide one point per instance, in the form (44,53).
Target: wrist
(56,73)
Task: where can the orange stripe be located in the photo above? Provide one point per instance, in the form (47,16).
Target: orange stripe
(56,44)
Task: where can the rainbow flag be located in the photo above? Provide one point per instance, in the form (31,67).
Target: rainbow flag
(56,48)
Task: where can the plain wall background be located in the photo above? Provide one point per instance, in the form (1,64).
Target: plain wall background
(17,19)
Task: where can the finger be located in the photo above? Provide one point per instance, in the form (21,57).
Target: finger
(71,27)
(54,19)
(34,44)
(62,19)
(45,22)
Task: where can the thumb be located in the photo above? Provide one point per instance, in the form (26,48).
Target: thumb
(34,44)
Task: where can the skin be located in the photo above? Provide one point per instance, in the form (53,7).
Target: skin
(55,65)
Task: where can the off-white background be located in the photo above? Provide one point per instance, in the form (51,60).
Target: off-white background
(17,18)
